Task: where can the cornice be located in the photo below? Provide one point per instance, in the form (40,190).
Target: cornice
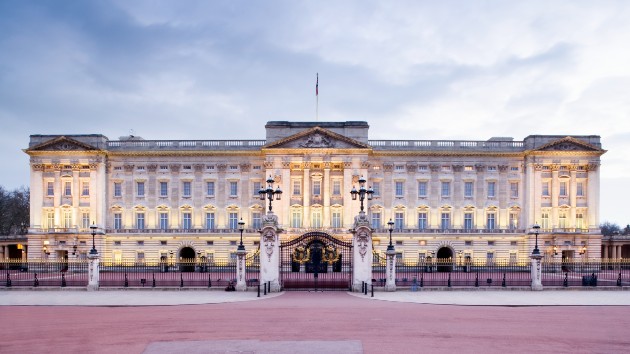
(447,153)
(313,151)
(65,153)
(184,153)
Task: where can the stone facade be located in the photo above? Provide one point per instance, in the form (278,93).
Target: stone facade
(159,198)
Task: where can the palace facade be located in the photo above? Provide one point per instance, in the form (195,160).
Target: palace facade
(154,199)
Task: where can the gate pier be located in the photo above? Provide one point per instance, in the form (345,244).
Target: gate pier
(270,252)
(362,256)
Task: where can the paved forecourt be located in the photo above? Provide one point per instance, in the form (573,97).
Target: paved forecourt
(302,322)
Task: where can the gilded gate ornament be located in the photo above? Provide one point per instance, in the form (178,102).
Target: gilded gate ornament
(301,254)
(330,254)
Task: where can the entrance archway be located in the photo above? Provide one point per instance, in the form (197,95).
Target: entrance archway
(187,259)
(444,259)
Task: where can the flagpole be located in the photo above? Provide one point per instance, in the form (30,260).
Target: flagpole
(317,99)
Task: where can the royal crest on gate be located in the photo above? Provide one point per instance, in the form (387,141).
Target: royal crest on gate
(301,254)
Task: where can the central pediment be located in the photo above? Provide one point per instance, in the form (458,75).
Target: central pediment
(317,138)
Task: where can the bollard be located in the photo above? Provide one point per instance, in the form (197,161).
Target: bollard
(63,280)
(422,280)
(258,290)
(181,283)
(8,280)
(619,280)
(449,280)
(265,289)
(36,283)
(503,282)
(269,287)
(153,283)
(477,280)
(209,281)
(372,290)
(126,281)
(366,287)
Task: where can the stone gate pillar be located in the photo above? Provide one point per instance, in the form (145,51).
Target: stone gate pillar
(93,271)
(270,252)
(536,272)
(361,252)
(390,283)
(241,284)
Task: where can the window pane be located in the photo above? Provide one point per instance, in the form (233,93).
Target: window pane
(210,221)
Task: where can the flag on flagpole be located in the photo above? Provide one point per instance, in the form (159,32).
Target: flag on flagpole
(317,86)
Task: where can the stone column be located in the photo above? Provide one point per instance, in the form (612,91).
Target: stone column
(536,272)
(93,271)
(390,283)
(362,252)
(241,284)
(270,252)
(605,256)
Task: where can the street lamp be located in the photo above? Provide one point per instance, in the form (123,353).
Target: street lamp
(241,227)
(536,251)
(362,192)
(93,250)
(390,224)
(269,192)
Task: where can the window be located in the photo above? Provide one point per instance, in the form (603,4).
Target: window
(50,189)
(317,188)
(163,189)
(209,243)
(50,217)
(85,220)
(513,221)
(117,221)
(141,243)
(400,167)
(422,189)
(513,190)
(445,220)
(85,189)
(562,220)
(256,188)
(377,188)
(492,168)
(514,168)
(163,220)
(490,258)
(468,221)
(544,221)
(233,188)
(117,189)
(117,243)
(297,187)
(446,189)
(468,189)
(187,186)
(563,189)
(513,258)
(67,189)
(490,243)
(579,189)
(140,189)
(423,168)
(163,243)
(545,189)
(187,220)
(67,219)
(491,189)
(513,243)
(376,220)
(210,188)
(468,168)
(316,218)
(399,221)
(140,221)
(468,243)
(256,220)
(446,168)
(336,219)
(233,220)
(336,187)
(399,189)
(210,220)
(422,220)
(490,224)
(579,221)
(296,218)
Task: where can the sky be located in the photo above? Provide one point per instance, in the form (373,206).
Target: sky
(464,70)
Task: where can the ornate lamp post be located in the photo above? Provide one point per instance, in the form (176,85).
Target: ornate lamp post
(536,228)
(390,225)
(362,192)
(93,251)
(241,227)
(269,193)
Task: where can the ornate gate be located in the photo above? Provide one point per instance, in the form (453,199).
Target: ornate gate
(316,261)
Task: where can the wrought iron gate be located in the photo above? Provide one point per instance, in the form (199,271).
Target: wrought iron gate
(316,261)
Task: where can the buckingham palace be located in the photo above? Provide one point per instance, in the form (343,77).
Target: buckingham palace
(154,199)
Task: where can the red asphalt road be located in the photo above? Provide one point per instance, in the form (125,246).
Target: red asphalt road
(382,327)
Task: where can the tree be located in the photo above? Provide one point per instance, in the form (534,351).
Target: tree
(626,230)
(609,228)
(14,211)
